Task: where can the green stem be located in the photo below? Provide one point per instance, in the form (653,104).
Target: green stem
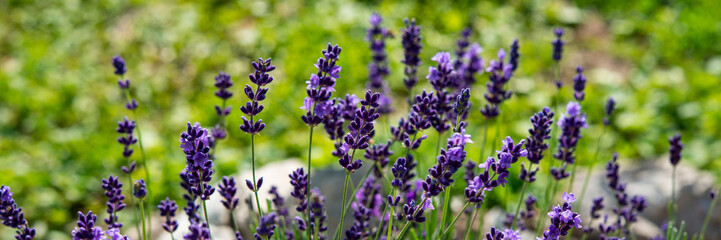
(446,204)
(453,222)
(673,195)
(708,217)
(483,143)
(142,150)
(307,187)
(130,185)
(390,218)
(345,190)
(205,208)
(590,168)
(470,223)
(480,223)
(142,219)
(355,191)
(252,159)
(518,207)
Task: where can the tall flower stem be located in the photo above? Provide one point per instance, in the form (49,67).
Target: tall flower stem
(205,208)
(468,226)
(142,150)
(142,218)
(672,204)
(345,189)
(390,221)
(708,217)
(446,204)
(408,223)
(252,159)
(590,168)
(307,197)
(355,191)
(130,184)
(520,200)
(453,222)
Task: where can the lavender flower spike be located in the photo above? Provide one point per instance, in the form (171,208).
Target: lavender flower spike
(167,209)
(266,227)
(197,231)
(675,149)
(579,84)
(260,78)
(139,190)
(571,125)
(558,44)
(113,190)
(608,110)
(535,143)
(227,190)
(86,229)
(378,68)
(195,144)
(321,86)
(499,75)
(10,214)
(562,219)
(411,40)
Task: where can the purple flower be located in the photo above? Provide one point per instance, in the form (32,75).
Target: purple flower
(441,77)
(115,234)
(597,206)
(535,143)
(379,153)
(195,144)
(378,68)
(562,219)
(610,106)
(448,162)
(468,62)
(495,234)
(470,170)
(712,194)
(113,191)
(367,203)
(462,46)
(227,190)
(570,125)
(499,75)
(266,226)
(167,209)
(528,212)
(223,82)
(86,229)
(579,84)
(413,214)
(260,78)
(321,85)
(279,204)
(317,213)
(513,60)
(139,190)
(626,211)
(411,40)
(10,214)
(675,149)
(299,181)
(119,64)
(126,127)
(361,130)
(558,44)
(191,208)
(197,231)
(460,107)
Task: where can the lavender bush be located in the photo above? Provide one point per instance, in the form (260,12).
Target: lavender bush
(404,193)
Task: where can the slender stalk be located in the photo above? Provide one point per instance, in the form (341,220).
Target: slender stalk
(708,217)
(381,222)
(408,223)
(142,218)
(355,191)
(142,150)
(590,168)
(345,189)
(673,194)
(205,208)
(483,142)
(307,187)
(468,226)
(446,204)
(132,200)
(518,207)
(453,222)
(235,223)
(252,159)
(480,223)
(390,218)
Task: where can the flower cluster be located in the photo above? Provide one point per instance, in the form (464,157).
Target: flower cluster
(227,190)
(558,52)
(199,169)
(449,161)
(139,189)
(562,219)
(486,181)
(279,205)
(411,40)
(579,84)
(86,229)
(223,83)
(321,86)
(571,125)
(499,75)
(675,149)
(266,226)
(461,47)
(197,231)
(608,110)
(361,131)
(441,77)
(12,216)
(126,127)
(260,78)
(379,153)
(317,213)
(299,181)
(367,203)
(113,190)
(378,68)
(626,209)
(167,209)
(506,234)
(528,213)
(535,143)
(191,208)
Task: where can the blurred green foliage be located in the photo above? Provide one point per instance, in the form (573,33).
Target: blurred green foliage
(59,100)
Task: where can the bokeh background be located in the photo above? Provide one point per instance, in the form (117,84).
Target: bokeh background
(59,101)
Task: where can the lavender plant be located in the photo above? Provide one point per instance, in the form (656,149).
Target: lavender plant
(199,169)
(13,216)
(167,209)
(260,78)
(219,132)
(378,69)
(411,41)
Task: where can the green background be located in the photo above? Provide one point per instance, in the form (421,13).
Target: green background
(59,101)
